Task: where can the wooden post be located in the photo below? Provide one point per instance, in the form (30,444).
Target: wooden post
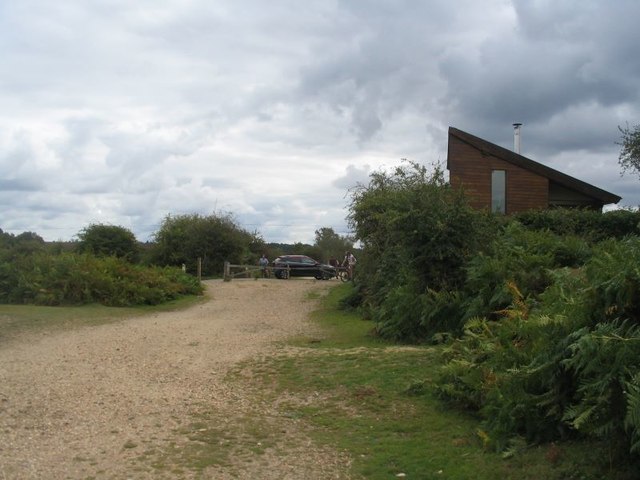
(227,272)
(199,269)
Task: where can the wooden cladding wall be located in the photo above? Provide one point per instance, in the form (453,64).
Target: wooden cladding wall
(560,196)
(470,169)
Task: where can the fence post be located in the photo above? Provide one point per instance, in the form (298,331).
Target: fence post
(226,276)
(199,269)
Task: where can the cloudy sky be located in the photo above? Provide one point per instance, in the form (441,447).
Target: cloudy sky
(121,112)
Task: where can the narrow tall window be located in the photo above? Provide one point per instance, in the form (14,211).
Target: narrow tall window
(498,191)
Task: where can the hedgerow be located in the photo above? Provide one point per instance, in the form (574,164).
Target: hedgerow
(588,224)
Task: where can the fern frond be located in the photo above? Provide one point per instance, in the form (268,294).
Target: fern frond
(632,417)
(578,416)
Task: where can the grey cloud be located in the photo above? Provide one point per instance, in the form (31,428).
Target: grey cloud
(354,176)
(370,72)
(41,206)
(139,110)
(19,185)
(588,128)
(138,150)
(560,58)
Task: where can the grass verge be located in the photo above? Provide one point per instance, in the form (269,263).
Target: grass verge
(359,395)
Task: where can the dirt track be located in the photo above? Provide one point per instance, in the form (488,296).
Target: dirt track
(120,400)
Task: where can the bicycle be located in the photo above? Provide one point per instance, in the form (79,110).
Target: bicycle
(343,273)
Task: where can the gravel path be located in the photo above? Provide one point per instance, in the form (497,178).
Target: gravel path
(119,401)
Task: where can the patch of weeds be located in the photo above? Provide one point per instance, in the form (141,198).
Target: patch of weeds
(208,442)
(417,388)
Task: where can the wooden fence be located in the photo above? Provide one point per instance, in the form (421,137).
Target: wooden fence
(232,271)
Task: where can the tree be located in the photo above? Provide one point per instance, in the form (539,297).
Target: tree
(629,158)
(108,240)
(331,244)
(312,251)
(182,239)
(28,243)
(24,244)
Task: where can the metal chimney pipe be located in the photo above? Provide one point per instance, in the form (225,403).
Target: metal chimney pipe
(516,137)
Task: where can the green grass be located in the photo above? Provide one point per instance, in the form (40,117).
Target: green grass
(374,400)
(340,328)
(21,319)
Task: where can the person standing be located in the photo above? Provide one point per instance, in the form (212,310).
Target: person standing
(264,264)
(349,262)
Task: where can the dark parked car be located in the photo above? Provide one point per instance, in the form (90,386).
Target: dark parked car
(301,266)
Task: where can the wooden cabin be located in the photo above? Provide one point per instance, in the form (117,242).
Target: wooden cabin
(499,179)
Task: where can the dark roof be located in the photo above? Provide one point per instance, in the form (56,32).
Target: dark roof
(528,164)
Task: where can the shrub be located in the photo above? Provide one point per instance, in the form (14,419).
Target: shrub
(569,363)
(417,235)
(589,224)
(614,277)
(606,360)
(70,278)
(521,257)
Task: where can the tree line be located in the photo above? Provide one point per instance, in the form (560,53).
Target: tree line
(214,239)
(107,264)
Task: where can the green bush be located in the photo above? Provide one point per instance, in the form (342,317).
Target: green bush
(71,279)
(405,316)
(614,274)
(510,371)
(399,316)
(567,364)
(589,224)
(520,257)
(417,235)
(606,404)
(516,257)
